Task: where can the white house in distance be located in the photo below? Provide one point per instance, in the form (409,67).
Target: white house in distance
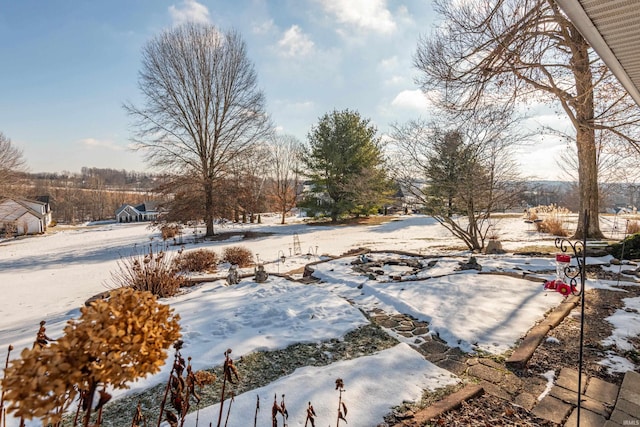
(23,216)
(147,211)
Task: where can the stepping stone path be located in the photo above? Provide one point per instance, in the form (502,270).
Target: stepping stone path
(602,403)
(416,333)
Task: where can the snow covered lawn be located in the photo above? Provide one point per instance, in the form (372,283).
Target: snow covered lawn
(49,277)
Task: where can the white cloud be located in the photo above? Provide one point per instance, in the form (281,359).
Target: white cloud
(265,27)
(189,11)
(368,15)
(97,143)
(411,99)
(389,64)
(295,43)
(396,80)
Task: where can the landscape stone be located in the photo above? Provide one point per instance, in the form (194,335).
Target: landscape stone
(491,363)
(406,326)
(586,402)
(523,353)
(525,400)
(602,391)
(493,247)
(559,313)
(486,373)
(450,402)
(454,366)
(628,407)
(456,353)
(552,409)
(435,357)
(512,383)
(473,361)
(624,419)
(630,388)
(495,390)
(587,419)
(568,379)
(432,346)
(389,323)
(422,330)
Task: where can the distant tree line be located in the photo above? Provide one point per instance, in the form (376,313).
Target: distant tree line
(94,194)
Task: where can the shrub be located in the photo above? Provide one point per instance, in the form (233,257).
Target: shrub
(238,255)
(631,248)
(114,342)
(155,273)
(169,231)
(200,260)
(633,227)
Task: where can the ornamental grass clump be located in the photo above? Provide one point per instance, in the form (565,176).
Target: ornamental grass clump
(554,220)
(152,272)
(238,255)
(114,341)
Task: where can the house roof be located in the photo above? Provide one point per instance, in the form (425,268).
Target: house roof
(149,206)
(14,209)
(612,28)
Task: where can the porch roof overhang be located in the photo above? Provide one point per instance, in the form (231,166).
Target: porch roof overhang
(612,27)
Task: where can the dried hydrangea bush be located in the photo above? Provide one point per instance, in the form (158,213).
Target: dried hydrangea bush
(114,341)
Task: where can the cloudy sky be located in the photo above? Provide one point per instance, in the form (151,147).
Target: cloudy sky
(68,66)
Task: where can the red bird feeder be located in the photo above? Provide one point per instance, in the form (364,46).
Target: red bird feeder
(559,285)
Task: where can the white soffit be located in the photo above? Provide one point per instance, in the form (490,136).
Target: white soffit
(612,27)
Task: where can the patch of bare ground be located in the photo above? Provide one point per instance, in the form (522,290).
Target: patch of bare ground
(536,250)
(365,220)
(562,350)
(488,410)
(246,235)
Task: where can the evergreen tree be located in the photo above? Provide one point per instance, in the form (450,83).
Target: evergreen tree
(343,160)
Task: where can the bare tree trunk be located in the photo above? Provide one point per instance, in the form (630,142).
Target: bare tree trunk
(208,208)
(585,141)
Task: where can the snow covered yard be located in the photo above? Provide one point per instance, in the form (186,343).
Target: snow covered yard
(49,277)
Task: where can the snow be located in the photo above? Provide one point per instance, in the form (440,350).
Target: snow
(550,377)
(49,277)
(366,395)
(625,325)
(460,307)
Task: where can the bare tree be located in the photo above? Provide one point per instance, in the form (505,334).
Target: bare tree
(527,50)
(11,163)
(202,106)
(250,174)
(461,174)
(285,159)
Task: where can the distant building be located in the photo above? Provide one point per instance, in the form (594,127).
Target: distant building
(24,216)
(147,211)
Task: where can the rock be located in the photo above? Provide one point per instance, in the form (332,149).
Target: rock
(472,264)
(493,247)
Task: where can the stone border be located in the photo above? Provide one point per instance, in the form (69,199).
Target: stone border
(524,352)
(452,401)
